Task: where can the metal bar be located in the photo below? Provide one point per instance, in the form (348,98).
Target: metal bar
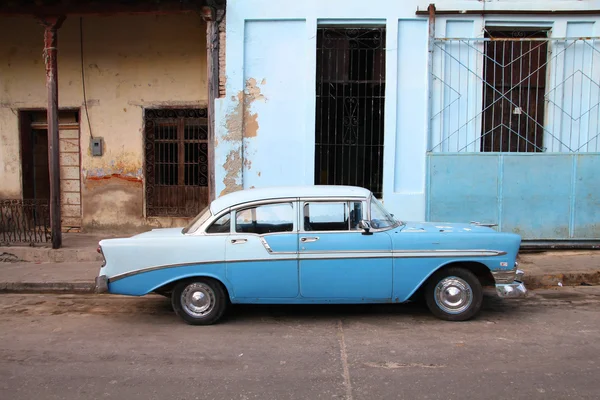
(571,244)
(581,96)
(51,26)
(430,54)
(180,160)
(589,127)
(533,39)
(510,12)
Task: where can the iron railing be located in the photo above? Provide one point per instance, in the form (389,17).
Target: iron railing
(515,95)
(25,221)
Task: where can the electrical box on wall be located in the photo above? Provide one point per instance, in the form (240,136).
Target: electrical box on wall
(96,144)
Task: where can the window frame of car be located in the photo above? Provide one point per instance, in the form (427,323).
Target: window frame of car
(292,202)
(347,200)
(202,230)
(387,228)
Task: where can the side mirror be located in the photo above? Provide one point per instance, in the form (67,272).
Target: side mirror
(365,226)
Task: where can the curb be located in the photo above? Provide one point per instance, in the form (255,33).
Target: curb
(42,287)
(591,278)
(43,254)
(530,281)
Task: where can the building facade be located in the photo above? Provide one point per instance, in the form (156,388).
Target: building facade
(460,111)
(133,100)
(467,110)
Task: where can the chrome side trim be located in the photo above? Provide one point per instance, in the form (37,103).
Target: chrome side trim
(327,255)
(264,243)
(448,253)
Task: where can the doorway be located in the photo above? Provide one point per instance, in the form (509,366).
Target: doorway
(35,163)
(350,107)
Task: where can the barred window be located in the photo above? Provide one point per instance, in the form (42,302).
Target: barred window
(176,168)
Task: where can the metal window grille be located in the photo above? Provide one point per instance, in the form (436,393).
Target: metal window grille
(25,221)
(176,143)
(515,94)
(349,107)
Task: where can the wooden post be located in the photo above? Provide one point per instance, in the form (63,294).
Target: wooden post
(209,14)
(51,26)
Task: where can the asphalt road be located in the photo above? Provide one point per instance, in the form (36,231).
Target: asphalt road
(96,347)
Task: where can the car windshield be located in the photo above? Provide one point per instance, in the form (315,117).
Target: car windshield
(197,221)
(380,217)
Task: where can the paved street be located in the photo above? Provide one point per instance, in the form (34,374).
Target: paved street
(84,347)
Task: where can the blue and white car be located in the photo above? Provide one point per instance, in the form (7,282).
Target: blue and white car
(311,245)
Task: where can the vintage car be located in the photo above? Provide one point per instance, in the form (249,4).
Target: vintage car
(311,245)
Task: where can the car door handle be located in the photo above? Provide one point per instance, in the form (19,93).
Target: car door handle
(309,239)
(238,241)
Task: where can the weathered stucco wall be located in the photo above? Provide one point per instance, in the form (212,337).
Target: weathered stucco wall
(265,124)
(130,62)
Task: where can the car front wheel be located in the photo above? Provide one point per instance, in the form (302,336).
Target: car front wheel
(199,301)
(454,294)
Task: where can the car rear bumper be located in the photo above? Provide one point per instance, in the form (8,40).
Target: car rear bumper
(101,284)
(514,289)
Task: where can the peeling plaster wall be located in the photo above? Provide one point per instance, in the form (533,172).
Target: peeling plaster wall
(130,62)
(271,50)
(260,126)
(10,161)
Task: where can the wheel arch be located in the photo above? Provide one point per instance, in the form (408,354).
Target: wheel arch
(479,269)
(166,287)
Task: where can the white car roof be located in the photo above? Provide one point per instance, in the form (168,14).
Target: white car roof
(278,192)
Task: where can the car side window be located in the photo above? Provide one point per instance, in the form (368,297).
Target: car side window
(326,216)
(268,218)
(221,225)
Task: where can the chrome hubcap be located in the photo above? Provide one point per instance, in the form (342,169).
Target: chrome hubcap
(453,295)
(198,299)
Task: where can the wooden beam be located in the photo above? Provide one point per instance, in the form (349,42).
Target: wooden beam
(101,7)
(51,26)
(212,18)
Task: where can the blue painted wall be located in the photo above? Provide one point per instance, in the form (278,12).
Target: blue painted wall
(551,196)
(265,123)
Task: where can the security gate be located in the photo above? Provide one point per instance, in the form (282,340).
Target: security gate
(515,134)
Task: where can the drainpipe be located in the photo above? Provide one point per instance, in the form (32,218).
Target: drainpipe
(51,26)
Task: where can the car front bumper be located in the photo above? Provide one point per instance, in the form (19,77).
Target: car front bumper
(101,284)
(514,289)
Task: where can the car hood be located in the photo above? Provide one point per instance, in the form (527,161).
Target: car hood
(445,227)
(163,232)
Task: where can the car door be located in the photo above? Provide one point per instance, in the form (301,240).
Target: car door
(338,261)
(262,251)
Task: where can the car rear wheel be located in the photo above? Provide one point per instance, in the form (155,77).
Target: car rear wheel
(199,301)
(454,294)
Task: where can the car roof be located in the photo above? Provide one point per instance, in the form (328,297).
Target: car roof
(278,192)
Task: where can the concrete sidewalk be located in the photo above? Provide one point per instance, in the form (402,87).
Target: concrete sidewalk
(545,269)
(80,247)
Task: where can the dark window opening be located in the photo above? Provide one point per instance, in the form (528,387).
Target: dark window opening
(350,107)
(514,89)
(332,216)
(176,162)
(222,225)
